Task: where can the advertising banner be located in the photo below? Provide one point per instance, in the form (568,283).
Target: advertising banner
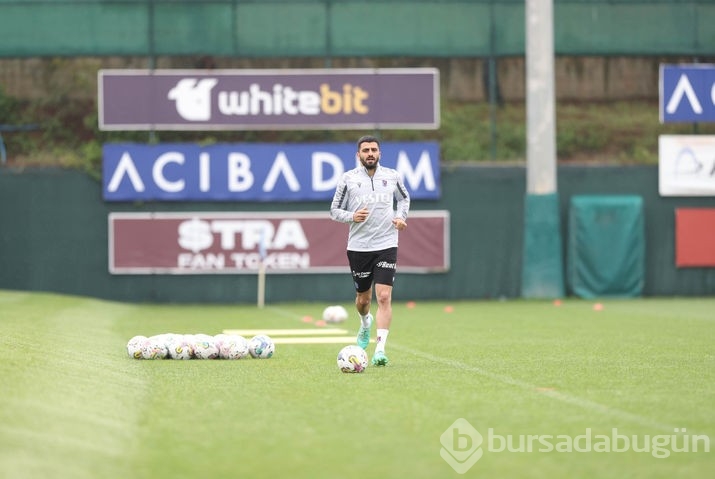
(254,172)
(687,93)
(237,243)
(695,237)
(331,99)
(686,165)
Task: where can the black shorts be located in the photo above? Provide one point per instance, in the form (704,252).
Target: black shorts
(372,267)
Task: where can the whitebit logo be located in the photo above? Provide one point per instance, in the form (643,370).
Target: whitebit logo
(193,98)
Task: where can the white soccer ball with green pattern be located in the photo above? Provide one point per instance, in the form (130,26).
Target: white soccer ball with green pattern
(205,347)
(261,347)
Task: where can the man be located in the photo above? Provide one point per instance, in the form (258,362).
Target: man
(365,198)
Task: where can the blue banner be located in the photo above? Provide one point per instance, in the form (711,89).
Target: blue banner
(687,93)
(254,172)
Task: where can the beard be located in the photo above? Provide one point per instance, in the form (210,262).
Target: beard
(369,166)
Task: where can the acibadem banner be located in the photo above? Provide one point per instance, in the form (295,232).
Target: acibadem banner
(254,172)
(687,93)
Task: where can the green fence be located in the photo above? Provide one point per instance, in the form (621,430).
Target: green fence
(346,28)
(53,237)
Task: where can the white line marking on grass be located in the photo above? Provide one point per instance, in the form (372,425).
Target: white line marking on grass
(286,332)
(559,396)
(316,340)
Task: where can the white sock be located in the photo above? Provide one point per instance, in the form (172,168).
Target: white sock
(366,320)
(381,339)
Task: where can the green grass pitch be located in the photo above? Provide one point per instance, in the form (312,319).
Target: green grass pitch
(74,405)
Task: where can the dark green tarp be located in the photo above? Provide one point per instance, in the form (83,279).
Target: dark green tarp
(606,246)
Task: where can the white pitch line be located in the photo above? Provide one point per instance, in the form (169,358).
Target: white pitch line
(316,340)
(286,332)
(559,396)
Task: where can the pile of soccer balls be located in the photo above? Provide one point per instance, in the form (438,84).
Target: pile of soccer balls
(335,314)
(200,346)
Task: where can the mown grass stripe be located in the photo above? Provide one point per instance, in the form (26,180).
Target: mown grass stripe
(71,398)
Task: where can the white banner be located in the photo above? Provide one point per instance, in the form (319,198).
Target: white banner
(686,165)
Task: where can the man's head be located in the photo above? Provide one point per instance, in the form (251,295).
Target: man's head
(368,149)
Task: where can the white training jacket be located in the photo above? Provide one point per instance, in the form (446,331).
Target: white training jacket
(379,194)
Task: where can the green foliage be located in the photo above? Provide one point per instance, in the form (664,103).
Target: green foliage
(9,108)
(91,153)
(617,133)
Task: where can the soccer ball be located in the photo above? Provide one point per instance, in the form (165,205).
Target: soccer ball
(218,341)
(205,347)
(154,348)
(181,347)
(335,314)
(233,346)
(352,359)
(134,346)
(261,347)
(329,314)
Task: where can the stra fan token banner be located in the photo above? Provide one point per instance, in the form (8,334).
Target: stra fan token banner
(254,171)
(330,99)
(237,243)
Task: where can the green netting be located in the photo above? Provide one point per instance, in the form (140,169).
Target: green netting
(606,246)
(193,29)
(426,27)
(265,28)
(71,29)
(276,28)
(661,28)
(542,266)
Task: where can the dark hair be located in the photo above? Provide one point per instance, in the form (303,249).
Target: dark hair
(367,139)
